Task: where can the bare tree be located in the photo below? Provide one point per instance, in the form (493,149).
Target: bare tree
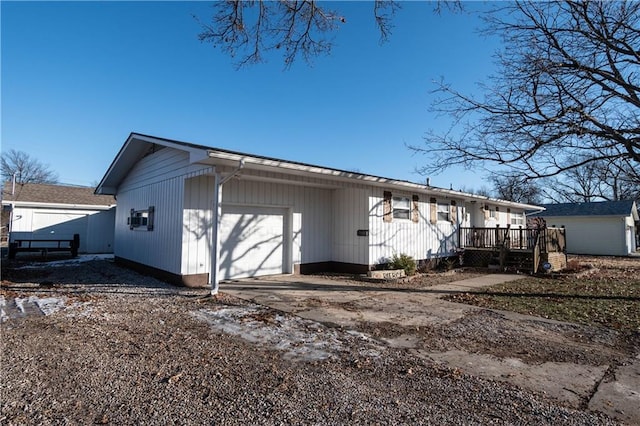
(249,29)
(516,188)
(567,92)
(598,180)
(483,191)
(622,181)
(25,168)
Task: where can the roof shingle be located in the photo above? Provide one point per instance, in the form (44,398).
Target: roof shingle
(600,208)
(55,194)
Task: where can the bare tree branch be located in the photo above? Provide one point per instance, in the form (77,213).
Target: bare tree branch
(25,168)
(567,92)
(247,28)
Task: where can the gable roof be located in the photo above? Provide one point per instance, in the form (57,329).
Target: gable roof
(53,194)
(599,208)
(138,145)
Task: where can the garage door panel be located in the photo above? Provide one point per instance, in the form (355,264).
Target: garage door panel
(252,241)
(60,226)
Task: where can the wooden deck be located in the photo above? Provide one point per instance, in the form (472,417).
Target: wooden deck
(520,248)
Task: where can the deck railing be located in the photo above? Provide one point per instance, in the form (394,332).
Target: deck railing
(548,240)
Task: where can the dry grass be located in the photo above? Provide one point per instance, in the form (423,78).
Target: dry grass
(604,291)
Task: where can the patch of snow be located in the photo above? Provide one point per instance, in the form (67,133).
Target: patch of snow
(36,305)
(298,338)
(19,304)
(48,305)
(3,313)
(76,261)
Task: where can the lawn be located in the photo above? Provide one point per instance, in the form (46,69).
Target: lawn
(606,292)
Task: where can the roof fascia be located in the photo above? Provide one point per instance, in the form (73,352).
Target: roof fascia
(131,151)
(353,177)
(58,205)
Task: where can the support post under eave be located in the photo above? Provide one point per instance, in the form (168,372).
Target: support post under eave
(214,276)
(219,181)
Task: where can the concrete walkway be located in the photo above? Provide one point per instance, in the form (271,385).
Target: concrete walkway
(347,304)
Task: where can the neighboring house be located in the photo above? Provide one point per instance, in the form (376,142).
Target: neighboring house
(56,212)
(196,214)
(600,228)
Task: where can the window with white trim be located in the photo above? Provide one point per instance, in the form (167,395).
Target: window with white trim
(517,219)
(444,213)
(401,208)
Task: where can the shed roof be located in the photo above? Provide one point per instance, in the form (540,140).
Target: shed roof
(54,194)
(599,208)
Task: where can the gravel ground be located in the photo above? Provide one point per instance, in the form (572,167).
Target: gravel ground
(121,348)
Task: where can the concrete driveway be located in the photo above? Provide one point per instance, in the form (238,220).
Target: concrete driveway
(346,304)
(352,304)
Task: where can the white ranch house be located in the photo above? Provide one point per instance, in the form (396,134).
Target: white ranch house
(197,214)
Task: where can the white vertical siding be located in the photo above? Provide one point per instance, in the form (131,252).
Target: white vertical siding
(351,213)
(21,222)
(421,240)
(156,180)
(197,220)
(593,234)
(100,231)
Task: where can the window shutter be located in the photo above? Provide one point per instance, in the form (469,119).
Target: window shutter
(508,216)
(415,214)
(433,210)
(387,209)
(150,217)
(453,216)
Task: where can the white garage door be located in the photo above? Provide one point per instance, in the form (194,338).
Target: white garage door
(252,241)
(60,226)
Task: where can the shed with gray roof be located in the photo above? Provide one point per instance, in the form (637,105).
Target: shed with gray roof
(599,228)
(56,212)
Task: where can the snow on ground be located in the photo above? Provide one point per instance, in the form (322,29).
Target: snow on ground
(76,261)
(298,338)
(3,313)
(33,305)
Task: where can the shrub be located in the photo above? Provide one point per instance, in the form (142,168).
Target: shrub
(403,261)
(448,263)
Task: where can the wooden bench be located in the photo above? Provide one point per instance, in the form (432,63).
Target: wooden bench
(44,246)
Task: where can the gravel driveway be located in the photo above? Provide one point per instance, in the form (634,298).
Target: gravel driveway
(96,343)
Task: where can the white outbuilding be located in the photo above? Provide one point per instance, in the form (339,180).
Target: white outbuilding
(38,211)
(599,228)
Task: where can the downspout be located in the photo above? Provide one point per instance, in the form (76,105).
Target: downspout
(219,181)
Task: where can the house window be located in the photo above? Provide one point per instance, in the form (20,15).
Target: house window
(517,219)
(401,208)
(444,212)
(141,219)
(493,213)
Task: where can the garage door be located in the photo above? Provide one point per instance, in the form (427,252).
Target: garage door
(252,241)
(60,226)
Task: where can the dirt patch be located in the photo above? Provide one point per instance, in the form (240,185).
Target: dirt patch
(491,333)
(414,282)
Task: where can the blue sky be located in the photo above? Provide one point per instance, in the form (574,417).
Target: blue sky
(78,77)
